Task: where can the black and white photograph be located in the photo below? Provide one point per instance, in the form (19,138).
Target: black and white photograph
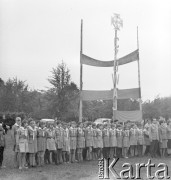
(85,89)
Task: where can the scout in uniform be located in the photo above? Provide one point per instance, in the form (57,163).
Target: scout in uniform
(89,140)
(22,142)
(66,144)
(163,138)
(112,140)
(80,142)
(15,127)
(32,142)
(2,145)
(169,137)
(41,143)
(94,149)
(140,140)
(59,141)
(106,145)
(73,140)
(51,146)
(119,140)
(126,144)
(99,140)
(154,138)
(146,148)
(133,140)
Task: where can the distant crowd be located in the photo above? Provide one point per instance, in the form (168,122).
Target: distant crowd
(38,144)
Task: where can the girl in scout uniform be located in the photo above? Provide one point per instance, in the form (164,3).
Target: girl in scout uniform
(66,144)
(59,141)
(99,140)
(2,145)
(112,140)
(133,140)
(51,146)
(32,142)
(126,141)
(169,137)
(94,149)
(119,136)
(106,145)
(140,140)
(41,143)
(22,142)
(89,140)
(15,127)
(146,147)
(154,137)
(80,141)
(73,140)
(163,138)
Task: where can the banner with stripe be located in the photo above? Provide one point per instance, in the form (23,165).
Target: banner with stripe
(91,95)
(124,116)
(121,61)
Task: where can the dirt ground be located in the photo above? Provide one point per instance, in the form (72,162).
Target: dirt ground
(75,171)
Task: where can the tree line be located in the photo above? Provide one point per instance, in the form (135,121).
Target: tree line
(61,100)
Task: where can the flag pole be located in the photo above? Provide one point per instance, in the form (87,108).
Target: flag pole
(81,71)
(139,80)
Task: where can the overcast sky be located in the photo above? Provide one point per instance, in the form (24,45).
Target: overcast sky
(36,35)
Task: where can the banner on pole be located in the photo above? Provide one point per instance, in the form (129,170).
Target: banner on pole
(121,61)
(91,95)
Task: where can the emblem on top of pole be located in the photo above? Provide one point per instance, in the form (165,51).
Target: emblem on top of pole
(116,21)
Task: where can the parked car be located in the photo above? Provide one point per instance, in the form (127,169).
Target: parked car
(102,121)
(47,120)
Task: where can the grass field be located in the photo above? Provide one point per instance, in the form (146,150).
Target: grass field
(82,171)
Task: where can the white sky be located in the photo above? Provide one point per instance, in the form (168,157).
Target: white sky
(35,35)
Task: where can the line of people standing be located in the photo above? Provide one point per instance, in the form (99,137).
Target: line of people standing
(46,143)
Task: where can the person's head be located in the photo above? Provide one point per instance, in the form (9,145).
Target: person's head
(89,124)
(154,121)
(58,123)
(94,126)
(73,124)
(80,124)
(161,122)
(24,123)
(18,120)
(32,122)
(42,124)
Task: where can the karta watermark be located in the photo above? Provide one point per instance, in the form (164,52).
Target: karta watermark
(107,168)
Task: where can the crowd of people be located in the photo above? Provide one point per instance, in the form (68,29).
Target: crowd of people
(41,143)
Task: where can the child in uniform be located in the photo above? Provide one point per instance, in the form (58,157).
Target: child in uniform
(32,142)
(106,145)
(169,137)
(119,140)
(51,146)
(163,138)
(59,141)
(126,141)
(80,142)
(89,140)
(41,143)
(2,145)
(112,140)
(73,140)
(99,140)
(66,144)
(22,142)
(140,141)
(133,140)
